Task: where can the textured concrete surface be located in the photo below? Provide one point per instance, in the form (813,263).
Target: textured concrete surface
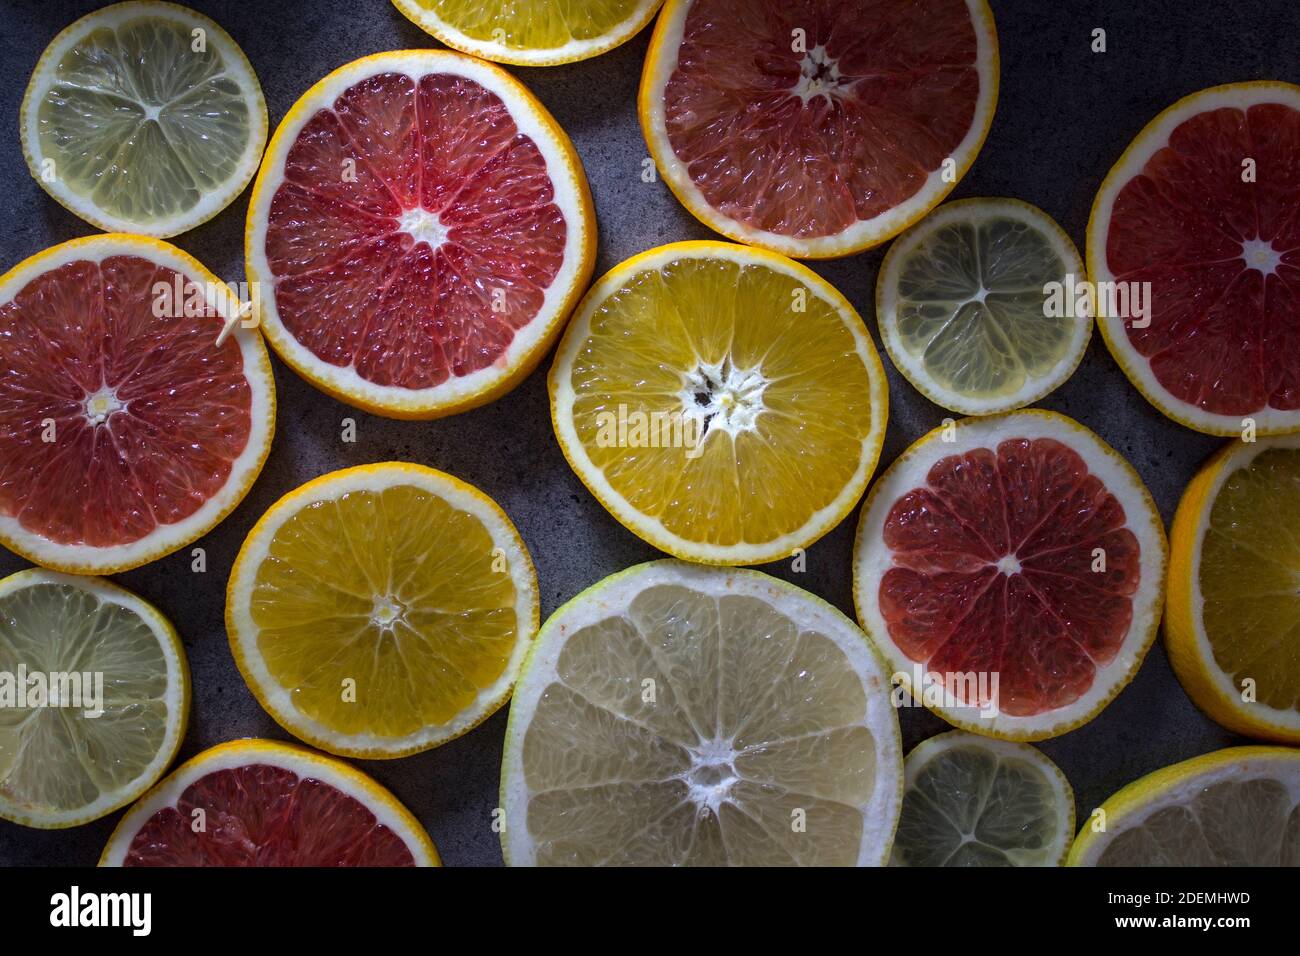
(1064,115)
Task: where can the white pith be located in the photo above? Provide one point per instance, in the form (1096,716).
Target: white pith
(611,597)
(871,559)
(721,396)
(249,752)
(223,301)
(176,698)
(913,366)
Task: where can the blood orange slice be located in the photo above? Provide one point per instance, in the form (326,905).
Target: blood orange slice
(1011,570)
(264,803)
(126,431)
(420,229)
(822,128)
(1201,217)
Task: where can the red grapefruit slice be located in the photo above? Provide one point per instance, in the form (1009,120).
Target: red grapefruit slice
(821,128)
(1203,212)
(126,431)
(264,803)
(421,228)
(1020,561)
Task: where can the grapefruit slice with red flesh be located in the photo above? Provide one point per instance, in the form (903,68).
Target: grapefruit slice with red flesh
(1011,570)
(264,803)
(1201,217)
(420,229)
(126,430)
(817,128)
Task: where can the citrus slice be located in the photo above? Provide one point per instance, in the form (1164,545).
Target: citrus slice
(94,695)
(1234,604)
(420,230)
(1199,222)
(676,714)
(127,430)
(977,303)
(533,34)
(973,801)
(265,803)
(1233,807)
(724,403)
(817,133)
(143,117)
(382,610)
(1011,570)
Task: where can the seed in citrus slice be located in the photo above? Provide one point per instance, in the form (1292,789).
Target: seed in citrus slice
(1234,807)
(967,310)
(421,228)
(677,714)
(724,403)
(974,801)
(382,610)
(143,117)
(539,33)
(266,803)
(126,430)
(1234,588)
(1011,570)
(817,130)
(1201,217)
(94,695)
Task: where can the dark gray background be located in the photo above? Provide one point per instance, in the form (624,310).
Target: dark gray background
(1064,115)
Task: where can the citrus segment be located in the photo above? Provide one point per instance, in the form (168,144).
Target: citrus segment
(126,430)
(144,117)
(674,714)
(382,610)
(421,227)
(533,34)
(966,306)
(265,803)
(1201,213)
(724,403)
(93,701)
(1018,562)
(817,129)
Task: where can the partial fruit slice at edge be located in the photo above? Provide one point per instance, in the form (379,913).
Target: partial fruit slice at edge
(132,128)
(382,610)
(724,403)
(126,430)
(1233,807)
(973,801)
(420,230)
(114,706)
(966,311)
(817,134)
(265,803)
(1234,605)
(538,33)
(1204,209)
(679,715)
(1020,560)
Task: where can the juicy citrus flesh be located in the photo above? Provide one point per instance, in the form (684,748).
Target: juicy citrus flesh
(994,570)
(971,306)
(397,591)
(973,806)
(1249,577)
(438,246)
(753,415)
(118,422)
(548,26)
(756,719)
(806,140)
(1222,256)
(58,760)
(140,124)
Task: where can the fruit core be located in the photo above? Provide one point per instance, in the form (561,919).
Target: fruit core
(723,396)
(423,226)
(819,75)
(712,775)
(1260,255)
(101,405)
